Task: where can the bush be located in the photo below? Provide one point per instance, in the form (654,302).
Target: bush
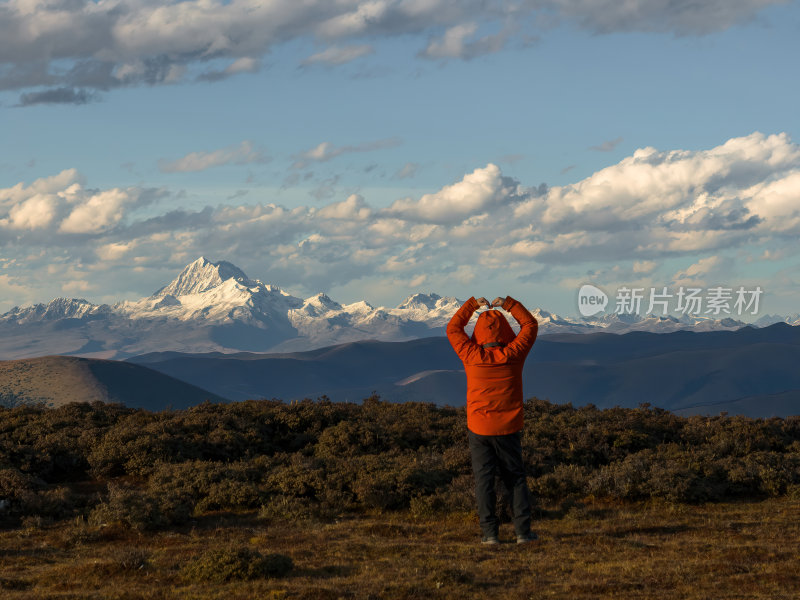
(236,563)
(318,458)
(207,485)
(140,511)
(286,508)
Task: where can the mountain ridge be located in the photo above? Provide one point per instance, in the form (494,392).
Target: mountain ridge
(694,372)
(215,306)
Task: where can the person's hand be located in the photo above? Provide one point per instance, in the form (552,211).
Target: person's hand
(483,302)
(498,301)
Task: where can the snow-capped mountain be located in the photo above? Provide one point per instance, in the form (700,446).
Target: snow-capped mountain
(215,306)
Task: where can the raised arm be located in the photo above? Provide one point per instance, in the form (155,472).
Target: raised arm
(528,327)
(458,338)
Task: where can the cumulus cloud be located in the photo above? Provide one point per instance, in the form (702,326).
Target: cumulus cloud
(61,204)
(326,151)
(353,208)
(242,154)
(97,212)
(664,197)
(475,193)
(74,47)
(649,206)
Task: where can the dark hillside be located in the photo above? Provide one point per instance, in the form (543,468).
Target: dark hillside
(670,370)
(59,380)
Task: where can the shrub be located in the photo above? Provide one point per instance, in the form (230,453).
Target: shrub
(206,485)
(236,563)
(140,510)
(565,480)
(324,458)
(286,508)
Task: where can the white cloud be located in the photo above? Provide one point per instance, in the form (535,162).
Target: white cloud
(648,207)
(242,154)
(673,191)
(475,193)
(37,212)
(61,204)
(777,202)
(114,251)
(353,208)
(72,46)
(98,212)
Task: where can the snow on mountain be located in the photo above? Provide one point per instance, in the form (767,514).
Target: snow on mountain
(236,298)
(318,306)
(215,306)
(60,308)
(767,320)
(203,275)
(431,308)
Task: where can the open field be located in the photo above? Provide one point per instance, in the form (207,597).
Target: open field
(589,550)
(375,501)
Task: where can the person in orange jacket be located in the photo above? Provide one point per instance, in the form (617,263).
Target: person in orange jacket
(493,358)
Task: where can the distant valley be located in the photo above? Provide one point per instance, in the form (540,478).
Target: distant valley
(750,371)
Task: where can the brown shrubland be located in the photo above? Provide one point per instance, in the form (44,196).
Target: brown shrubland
(320,499)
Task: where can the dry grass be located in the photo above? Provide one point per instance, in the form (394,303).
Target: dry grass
(54,380)
(592,550)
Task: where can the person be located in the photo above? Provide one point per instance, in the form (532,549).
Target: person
(493,358)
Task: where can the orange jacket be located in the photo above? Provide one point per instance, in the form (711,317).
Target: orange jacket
(494,372)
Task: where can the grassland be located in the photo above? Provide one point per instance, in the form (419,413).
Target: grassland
(741,549)
(375,500)
(49,379)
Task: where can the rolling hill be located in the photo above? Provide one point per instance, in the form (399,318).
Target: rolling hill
(58,380)
(706,372)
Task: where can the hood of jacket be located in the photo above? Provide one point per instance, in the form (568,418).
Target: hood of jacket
(491,328)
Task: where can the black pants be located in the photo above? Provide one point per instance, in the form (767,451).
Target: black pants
(500,455)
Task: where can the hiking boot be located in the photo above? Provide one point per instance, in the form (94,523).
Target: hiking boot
(490,540)
(527,538)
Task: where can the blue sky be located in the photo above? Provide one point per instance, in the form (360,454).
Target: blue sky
(375,149)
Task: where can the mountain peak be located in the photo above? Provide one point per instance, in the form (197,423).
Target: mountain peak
(419,300)
(203,275)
